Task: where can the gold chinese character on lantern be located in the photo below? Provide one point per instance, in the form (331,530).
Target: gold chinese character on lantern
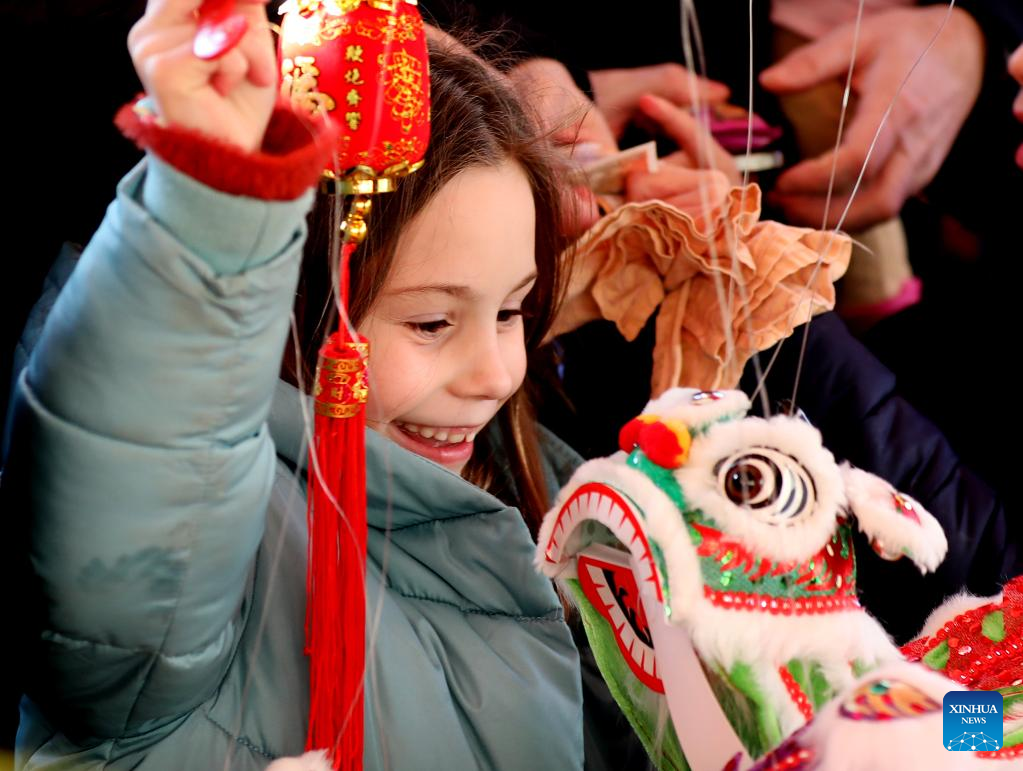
(300,85)
(404,89)
(353,98)
(354,77)
(353,119)
(392,29)
(353,54)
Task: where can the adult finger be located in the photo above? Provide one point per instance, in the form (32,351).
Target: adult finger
(579,211)
(813,176)
(678,85)
(590,129)
(673,182)
(812,63)
(688,134)
(1016,70)
(1016,65)
(879,200)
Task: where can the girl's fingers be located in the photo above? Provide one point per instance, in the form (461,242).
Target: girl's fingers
(160,13)
(156,48)
(232,69)
(258,47)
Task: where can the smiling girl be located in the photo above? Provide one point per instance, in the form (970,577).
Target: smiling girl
(155,450)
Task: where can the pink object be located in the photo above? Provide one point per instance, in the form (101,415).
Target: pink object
(220,29)
(733,133)
(908,295)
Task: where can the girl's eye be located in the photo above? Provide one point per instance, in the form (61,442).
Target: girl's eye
(429,329)
(509,315)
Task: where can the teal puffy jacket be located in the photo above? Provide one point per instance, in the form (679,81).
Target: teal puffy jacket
(153,453)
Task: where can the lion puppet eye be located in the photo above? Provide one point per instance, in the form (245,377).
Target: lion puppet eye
(773,486)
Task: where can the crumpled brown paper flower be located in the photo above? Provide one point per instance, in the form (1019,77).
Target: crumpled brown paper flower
(648,255)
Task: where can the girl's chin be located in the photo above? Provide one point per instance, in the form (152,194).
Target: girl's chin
(451,456)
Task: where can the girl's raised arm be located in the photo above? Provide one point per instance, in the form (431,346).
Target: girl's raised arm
(140,459)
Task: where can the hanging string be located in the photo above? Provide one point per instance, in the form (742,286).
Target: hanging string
(837,229)
(698,65)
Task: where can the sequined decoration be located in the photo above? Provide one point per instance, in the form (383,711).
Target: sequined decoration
(887,700)
(905,507)
(1006,753)
(975,660)
(738,579)
(765,603)
(796,693)
(703,396)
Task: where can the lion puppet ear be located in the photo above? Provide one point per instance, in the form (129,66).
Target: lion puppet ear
(896,525)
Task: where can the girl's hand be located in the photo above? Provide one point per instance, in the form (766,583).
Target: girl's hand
(230,98)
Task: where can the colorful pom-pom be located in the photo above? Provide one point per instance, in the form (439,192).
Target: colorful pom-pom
(628,437)
(665,442)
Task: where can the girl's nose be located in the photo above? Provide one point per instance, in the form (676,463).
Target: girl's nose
(488,369)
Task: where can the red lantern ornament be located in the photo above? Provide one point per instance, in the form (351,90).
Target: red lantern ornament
(364,65)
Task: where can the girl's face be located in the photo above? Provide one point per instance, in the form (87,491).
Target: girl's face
(446,332)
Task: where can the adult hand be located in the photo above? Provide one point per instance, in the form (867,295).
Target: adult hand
(1016,70)
(920,129)
(681,178)
(230,98)
(573,121)
(575,125)
(618,92)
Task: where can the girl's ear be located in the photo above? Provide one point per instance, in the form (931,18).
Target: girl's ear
(897,525)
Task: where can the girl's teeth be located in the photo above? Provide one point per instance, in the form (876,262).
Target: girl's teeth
(440,434)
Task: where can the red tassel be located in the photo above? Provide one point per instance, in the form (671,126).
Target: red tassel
(336,577)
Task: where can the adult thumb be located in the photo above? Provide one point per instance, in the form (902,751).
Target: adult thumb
(810,64)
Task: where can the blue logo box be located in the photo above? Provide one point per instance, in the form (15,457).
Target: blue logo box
(972,721)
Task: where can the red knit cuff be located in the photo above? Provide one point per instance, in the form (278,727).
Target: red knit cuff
(294,154)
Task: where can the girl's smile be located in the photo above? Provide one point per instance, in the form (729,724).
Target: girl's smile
(448,446)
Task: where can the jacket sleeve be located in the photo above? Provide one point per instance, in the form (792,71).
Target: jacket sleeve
(852,398)
(140,460)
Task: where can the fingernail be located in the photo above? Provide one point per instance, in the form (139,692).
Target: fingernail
(586,152)
(649,103)
(216,36)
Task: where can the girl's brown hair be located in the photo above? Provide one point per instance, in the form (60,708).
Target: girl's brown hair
(476,121)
